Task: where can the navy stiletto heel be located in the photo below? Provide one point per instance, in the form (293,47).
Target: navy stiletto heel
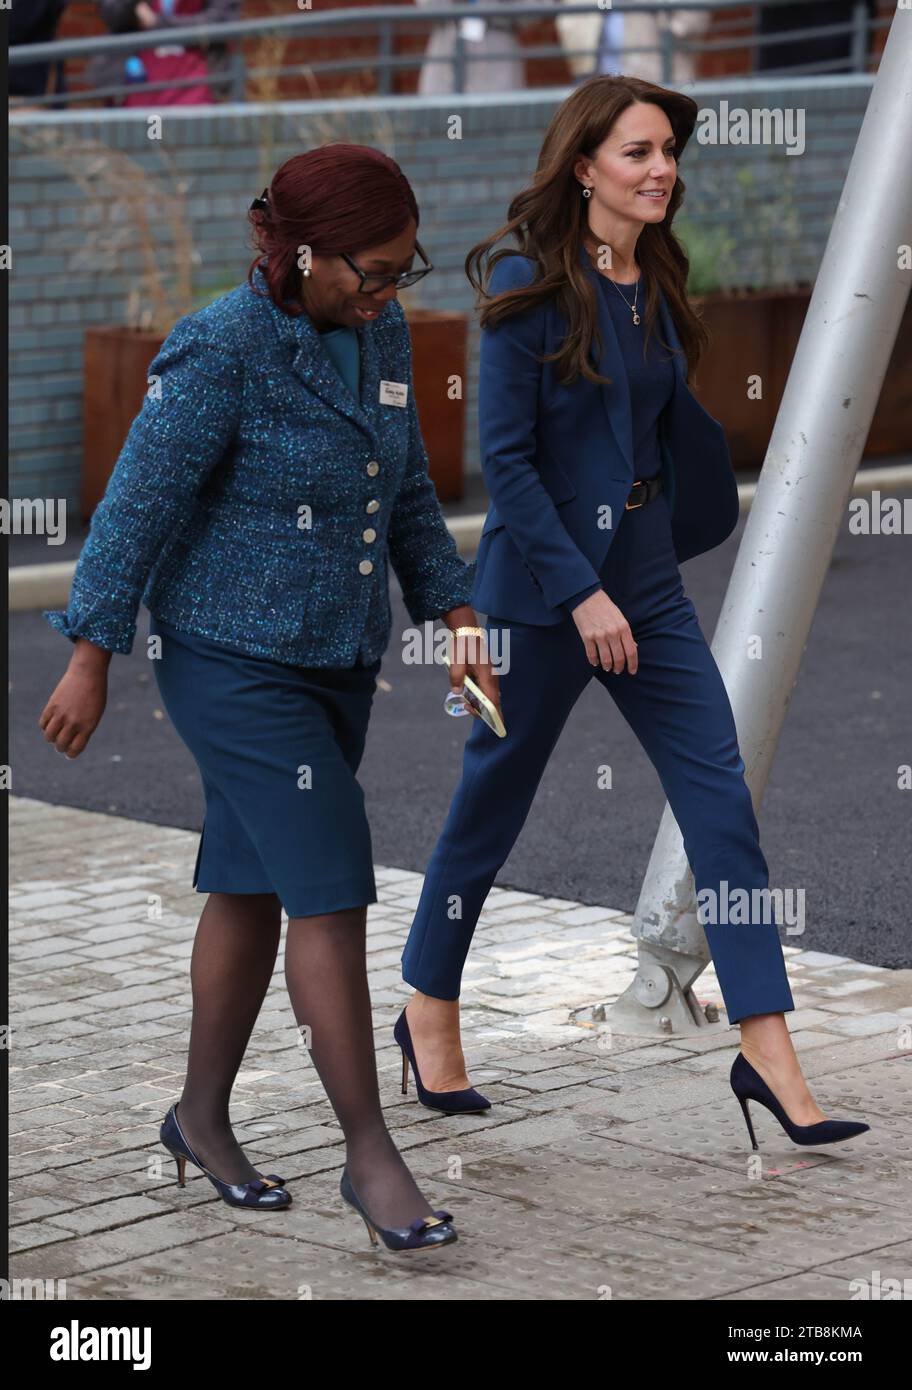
(420,1234)
(748,1084)
(468,1102)
(268,1194)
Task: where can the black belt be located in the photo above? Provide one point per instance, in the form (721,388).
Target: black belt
(644,490)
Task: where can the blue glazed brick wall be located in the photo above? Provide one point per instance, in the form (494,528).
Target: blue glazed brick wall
(777,207)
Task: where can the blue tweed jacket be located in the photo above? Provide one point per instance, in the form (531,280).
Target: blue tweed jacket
(255,502)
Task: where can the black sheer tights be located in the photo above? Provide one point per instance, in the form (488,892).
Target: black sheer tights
(233,959)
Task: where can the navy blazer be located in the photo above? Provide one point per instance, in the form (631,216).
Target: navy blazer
(256,502)
(558,460)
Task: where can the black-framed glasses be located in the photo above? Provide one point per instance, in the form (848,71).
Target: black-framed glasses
(372,280)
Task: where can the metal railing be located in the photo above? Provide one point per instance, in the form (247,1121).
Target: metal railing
(388,22)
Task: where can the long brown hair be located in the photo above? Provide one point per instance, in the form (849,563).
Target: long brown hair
(548,221)
(337,197)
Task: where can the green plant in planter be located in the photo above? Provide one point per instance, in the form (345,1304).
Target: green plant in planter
(774,240)
(710,251)
(775,225)
(144,233)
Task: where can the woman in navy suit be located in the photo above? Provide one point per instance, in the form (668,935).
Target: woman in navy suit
(604,474)
(275,468)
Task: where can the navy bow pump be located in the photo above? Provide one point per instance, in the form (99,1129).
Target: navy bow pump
(468,1102)
(748,1084)
(420,1234)
(268,1194)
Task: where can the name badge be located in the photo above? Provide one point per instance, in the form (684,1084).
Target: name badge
(393,392)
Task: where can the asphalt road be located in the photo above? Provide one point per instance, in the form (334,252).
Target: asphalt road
(833,820)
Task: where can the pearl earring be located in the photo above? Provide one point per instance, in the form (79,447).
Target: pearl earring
(305,272)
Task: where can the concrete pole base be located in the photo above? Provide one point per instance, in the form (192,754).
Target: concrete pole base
(656,1004)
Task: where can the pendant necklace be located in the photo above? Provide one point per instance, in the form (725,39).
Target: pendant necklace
(632,307)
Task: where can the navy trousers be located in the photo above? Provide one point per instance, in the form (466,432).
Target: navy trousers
(678,708)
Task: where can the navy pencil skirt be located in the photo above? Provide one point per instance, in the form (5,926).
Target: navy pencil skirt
(278,748)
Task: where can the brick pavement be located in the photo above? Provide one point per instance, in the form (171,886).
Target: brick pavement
(609,1166)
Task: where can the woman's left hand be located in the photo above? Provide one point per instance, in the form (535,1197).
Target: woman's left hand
(470,656)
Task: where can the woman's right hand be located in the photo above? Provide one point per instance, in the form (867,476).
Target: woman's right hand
(606,633)
(74,711)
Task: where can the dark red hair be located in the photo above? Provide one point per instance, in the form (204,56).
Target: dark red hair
(335,198)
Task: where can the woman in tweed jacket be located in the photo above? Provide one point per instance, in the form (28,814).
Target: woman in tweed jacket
(274,469)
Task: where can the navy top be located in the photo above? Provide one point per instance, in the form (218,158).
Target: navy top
(651,381)
(651,377)
(342,345)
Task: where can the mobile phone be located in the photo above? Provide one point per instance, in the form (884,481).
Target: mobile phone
(485,709)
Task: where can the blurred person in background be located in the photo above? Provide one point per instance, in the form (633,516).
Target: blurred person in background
(172,60)
(832,49)
(35,21)
(492,40)
(610,41)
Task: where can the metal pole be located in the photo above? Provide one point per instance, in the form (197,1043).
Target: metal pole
(238,70)
(816,446)
(459,61)
(859,41)
(667,49)
(384,80)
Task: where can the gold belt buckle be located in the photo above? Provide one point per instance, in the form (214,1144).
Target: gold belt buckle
(631,506)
